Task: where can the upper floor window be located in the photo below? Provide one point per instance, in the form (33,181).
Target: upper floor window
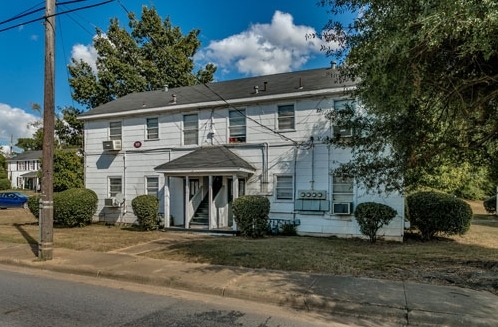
(115,130)
(190,129)
(284,188)
(152,129)
(339,131)
(115,186)
(237,123)
(286,117)
(152,185)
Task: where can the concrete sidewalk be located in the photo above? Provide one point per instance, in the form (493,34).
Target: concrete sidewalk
(400,303)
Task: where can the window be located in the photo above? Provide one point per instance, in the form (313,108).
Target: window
(152,185)
(286,117)
(190,129)
(115,186)
(115,130)
(284,188)
(338,130)
(237,123)
(342,194)
(152,129)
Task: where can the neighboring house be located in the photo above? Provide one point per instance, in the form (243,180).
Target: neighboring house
(23,168)
(198,147)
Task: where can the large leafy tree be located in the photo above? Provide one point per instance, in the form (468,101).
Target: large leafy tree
(68,169)
(152,55)
(427,73)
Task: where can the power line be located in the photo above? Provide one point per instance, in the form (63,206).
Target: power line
(57,14)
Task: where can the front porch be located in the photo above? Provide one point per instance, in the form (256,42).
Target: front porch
(200,187)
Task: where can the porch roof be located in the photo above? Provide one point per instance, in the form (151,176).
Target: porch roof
(213,160)
(30,174)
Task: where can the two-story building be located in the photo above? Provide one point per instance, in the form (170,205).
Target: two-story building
(198,147)
(23,168)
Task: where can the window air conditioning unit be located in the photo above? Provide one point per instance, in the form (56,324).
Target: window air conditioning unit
(313,194)
(114,202)
(114,145)
(343,208)
(342,131)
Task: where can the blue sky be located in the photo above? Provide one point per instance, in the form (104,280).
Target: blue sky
(243,38)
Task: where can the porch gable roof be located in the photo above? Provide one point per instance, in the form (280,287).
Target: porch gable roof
(207,160)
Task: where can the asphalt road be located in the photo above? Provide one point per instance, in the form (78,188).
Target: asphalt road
(40,298)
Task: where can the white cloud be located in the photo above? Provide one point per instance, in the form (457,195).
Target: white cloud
(14,122)
(280,46)
(87,53)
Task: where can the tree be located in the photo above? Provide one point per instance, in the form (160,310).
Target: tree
(69,129)
(427,74)
(68,170)
(152,55)
(33,143)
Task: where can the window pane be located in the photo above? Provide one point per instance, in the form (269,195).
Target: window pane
(115,186)
(342,184)
(190,129)
(286,117)
(152,185)
(115,130)
(284,188)
(237,123)
(152,128)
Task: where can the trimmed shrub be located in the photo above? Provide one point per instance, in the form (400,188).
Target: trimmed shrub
(75,207)
(288,229)
(490,204)
(251,215)
(372,216)
(434,213)
(4,184)
(34,205)
(146,208)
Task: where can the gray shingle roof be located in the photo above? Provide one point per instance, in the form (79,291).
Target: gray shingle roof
(27,155)
(218,92)
(207,158)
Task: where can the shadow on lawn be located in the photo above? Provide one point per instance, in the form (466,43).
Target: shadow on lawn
(31,241)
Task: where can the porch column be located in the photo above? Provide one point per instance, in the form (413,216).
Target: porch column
(185,209)
(235,190)
(210,196)
(167,204)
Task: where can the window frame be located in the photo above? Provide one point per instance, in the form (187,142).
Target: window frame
(340,196)
(191,129)
(152,130)
(282,118)
(148,187)
(278,188)
(237,137)
(110,191)
(112,129)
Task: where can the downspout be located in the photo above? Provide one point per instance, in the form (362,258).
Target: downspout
(312,182)
(295,185)
(265,167)
(123,211)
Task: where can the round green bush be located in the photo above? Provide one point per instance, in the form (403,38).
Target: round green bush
(434,213)
(75,207)
(372,216)
(146,208)
(251,215)
(34,205)
(490,204)
(4,184)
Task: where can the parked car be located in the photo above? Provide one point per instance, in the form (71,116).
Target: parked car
(13,200)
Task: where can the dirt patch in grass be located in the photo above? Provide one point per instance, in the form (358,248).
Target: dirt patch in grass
(469,261)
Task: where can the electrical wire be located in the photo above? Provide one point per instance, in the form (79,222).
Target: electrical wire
(56,14)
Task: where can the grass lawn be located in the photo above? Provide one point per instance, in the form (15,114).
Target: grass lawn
(468,261)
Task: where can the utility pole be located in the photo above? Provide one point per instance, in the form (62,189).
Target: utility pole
(45,246)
